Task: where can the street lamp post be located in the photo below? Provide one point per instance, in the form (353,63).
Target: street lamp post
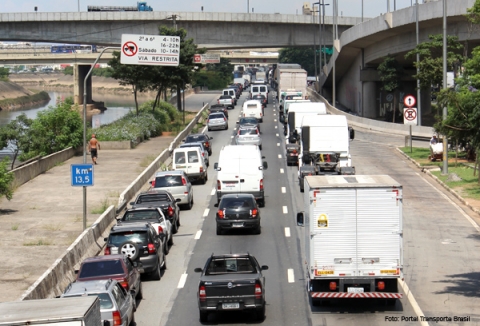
(445,142)
(334,50)
(419,105)
(315,40)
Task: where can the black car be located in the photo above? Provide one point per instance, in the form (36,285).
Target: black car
(238,211)
(139,242)
(237,90)
(200,138)
(231,282)
(249,121)
(162,199)
(219,108)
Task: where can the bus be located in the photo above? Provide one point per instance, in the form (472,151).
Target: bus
(73,48)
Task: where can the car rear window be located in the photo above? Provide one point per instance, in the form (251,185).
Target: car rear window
(193,157)
(194,138)
(141,215)
(263,89)
(152,198)
(230,265)
(252,106)
(180,158)
(223,97)
(119,238)
(236,203)
(248,120)
(105,300)
(168,181)
(216,116)
(248,132)
(101,268)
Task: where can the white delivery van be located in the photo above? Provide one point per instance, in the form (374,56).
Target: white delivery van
(260,89)
(230,92)
(190,160)
(240,170)
(353,233)
(286,106)
(253,108)
(297,111)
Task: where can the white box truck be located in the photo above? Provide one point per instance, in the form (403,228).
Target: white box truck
(291,82)
(325,146)
(78,311)
(353,237)
(297,111)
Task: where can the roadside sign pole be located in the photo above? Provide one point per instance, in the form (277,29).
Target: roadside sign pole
(85,129)
(411,140)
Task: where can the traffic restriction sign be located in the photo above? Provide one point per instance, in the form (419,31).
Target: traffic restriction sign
(410,116)
(409,101)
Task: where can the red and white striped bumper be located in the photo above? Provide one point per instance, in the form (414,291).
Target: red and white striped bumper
(345,295)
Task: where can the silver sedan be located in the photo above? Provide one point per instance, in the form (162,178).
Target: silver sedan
(217,120)
(248,136)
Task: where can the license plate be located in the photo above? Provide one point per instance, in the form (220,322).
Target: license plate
(388,271)
(237,225)
(355,290)
(324,272)
(114,250)
(230,305)
(229,184)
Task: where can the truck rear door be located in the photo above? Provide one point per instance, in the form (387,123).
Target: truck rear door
(229,176)
(250,175)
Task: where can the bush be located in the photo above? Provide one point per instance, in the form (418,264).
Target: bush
(211,79)
(6,179)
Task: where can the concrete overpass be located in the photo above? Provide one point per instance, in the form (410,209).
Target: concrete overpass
(208,29)
(362,48)
(43,56)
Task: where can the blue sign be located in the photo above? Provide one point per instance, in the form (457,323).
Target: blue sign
(82,175)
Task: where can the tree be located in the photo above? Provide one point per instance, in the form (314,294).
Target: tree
(391,72)
(6,179)
(54,130)
(305,57)
(431,59)
(224,68)
(15,135)
(4,73)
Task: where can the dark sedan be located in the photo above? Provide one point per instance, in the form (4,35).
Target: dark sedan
(249,122)
(202,138)
(238,211)
(232,282)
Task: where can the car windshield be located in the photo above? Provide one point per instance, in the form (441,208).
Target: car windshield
(252,131)
(230,265)
(101,268)
(105,301)
(235,203)
(141,215)
(117,239)
(168,181)
(150,198)
(194,138)
(248,120)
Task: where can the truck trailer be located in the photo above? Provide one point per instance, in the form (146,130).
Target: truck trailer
(353,237)
(291,82)
(78,311)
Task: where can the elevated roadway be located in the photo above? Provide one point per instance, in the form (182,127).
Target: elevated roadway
(211,30)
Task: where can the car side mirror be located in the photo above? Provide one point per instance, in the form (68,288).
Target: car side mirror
(352,133)
(264,267)
(263,156)
(265,165)
(132,203)
(76,272)
(238,122)
(178,200)
(300,218)
(105,239)
(215,167)
(211,137)
(197,270)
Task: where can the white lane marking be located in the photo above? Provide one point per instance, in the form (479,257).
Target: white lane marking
(413,302)
(231,136)
(284,190)
(287,232)
(273,110)
(205,212)
(278,144)
(276,135)
(213,192)
(234,129)
(275,120)
(285,210)
(274,114)
(282,171)
(276,127)
(474,224)
(198,234)
(291,276)
(279,155)
(183,280)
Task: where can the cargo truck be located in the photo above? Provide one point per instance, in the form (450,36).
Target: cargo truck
(353,237)
(78,311)
(291,82)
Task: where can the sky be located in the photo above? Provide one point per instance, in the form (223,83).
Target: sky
(348,8)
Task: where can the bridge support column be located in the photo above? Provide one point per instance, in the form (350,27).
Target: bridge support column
(79,73)
(370,107)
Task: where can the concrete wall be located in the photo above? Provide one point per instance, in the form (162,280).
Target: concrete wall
(31,170)
(350,87)
(53,282)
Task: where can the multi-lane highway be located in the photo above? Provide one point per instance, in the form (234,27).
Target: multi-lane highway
(441,245)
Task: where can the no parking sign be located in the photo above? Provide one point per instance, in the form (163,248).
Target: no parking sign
(410,116)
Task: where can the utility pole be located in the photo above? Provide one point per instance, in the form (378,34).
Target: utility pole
(445,141)
(315,40)
(419,105)
(362,11)
(388,5)
(334,50)
(320,34)
(323,31)
(174,18)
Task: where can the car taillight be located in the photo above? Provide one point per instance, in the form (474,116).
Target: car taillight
(153,184)
(221,214)
(170,211)
(151,248)
(107,251)
(184,182)
(294,151)
(219,185)
(202,294)
(258,291)
(203,154)
(208,120)
(160,229)
(124,283)
(261,184)
(201,169)
(218,101)
(224,119)
(253,212)
(207,144)
(117,318)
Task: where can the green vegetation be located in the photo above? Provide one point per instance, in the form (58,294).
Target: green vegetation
(25,100)
(467,187)
(6,180)
(38,242)
(305,57)
(101,72)
(4,73)
(391,73)
(216,76)
(420,155)
(14,135)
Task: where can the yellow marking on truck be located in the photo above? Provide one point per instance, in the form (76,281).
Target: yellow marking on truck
(324,272)
(388,271)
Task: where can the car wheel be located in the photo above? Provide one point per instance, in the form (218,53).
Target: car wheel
(164,265)
(129,249)
(178,220)
(132,322)
(203,316)
(157,274)
(261,120)
(190,204)
(219,230)
(260,147)
(261,313)
(261,202)
(226,128)
(170,241)
(174,231)
(258,230)
(139,294)
(209,129)
(204,180)
(166,248)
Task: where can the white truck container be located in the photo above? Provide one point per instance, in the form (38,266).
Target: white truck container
(296,113)
(353,237)
(325,146)
(286,105)
(78,311)
(291,82)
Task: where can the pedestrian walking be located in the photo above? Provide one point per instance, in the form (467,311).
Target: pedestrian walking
(94,147)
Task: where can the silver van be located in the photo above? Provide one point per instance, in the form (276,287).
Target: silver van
(177,183)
